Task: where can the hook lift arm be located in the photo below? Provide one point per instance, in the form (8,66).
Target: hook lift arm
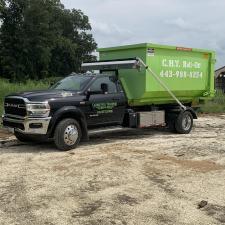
(151,72)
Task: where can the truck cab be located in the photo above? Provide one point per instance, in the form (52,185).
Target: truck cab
(67,109)
(101,98)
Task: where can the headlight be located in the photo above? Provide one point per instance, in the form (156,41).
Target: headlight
(38,109)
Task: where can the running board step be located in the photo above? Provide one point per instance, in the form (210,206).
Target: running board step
(107,129)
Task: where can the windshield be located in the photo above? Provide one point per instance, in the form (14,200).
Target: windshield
(72,83)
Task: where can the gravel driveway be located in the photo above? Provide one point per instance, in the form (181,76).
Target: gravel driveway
(125,177)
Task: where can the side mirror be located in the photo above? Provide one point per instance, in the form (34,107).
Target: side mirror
(89,93)
(104,89)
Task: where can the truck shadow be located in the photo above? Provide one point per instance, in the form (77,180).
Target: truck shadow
(95,139)
(129,134)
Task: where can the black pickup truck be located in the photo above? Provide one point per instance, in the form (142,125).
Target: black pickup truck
(79,103)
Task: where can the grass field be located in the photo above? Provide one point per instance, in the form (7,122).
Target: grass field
(216,105)
(7,88)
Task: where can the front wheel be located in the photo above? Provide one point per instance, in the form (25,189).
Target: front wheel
(67,134)
(184,123)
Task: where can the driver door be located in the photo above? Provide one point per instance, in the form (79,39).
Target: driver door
(106,107)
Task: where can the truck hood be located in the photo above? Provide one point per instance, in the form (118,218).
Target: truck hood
(44,95)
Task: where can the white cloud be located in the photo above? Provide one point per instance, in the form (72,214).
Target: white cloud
(179,22)
(106,31)
(189,23)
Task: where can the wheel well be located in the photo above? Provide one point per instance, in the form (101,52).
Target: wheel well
(192,113)
(72,116)
(172,115)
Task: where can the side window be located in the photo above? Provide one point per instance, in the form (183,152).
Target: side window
(111,81)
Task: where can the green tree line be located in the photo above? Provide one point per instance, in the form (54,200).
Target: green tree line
(41,38)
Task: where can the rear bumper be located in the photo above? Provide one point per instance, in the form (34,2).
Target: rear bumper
(26,125)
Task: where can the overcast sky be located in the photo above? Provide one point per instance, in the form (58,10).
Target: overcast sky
(190,23)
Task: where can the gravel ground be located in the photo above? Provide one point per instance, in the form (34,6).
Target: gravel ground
(125,178)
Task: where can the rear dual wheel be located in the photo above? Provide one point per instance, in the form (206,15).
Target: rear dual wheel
(182,124)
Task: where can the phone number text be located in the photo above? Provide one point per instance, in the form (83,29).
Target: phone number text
(181,74)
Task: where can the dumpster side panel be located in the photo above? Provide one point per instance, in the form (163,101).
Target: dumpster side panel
(189,73)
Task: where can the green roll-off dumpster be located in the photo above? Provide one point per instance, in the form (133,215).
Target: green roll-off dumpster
(187,72)
(163,84)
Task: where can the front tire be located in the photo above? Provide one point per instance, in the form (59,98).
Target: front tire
(184,123)
(67,134)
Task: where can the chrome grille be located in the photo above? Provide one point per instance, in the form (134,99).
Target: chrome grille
(15,106)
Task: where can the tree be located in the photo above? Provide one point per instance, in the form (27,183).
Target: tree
(74,45)
(11,39)
(41,38)
(2,5)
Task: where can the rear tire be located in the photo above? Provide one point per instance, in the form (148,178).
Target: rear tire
(67,134)
(184,123)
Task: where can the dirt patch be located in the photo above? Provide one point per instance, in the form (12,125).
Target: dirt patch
(87,209)
(60,168)
(216,211)
(126,199)
(4,134)
(163,219)
(14,202)
(203,166)
(158,177)
(148,176)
